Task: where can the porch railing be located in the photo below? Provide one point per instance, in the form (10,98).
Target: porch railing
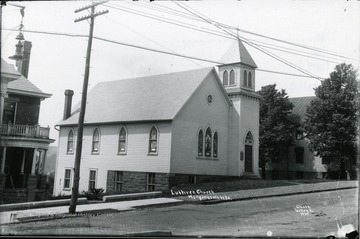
(25,130)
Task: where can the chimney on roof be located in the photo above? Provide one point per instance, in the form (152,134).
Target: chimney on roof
(67,107)
(23,64)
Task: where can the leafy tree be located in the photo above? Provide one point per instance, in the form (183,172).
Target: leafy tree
(275,127)
(331,118)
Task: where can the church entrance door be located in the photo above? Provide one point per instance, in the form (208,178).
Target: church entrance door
(249,153)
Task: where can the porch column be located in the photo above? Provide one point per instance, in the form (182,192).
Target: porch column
(43,160)
(3,161)
(34,162)
(23,161)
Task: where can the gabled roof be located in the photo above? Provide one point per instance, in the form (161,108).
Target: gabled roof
(19,84)
(8,70)
(151,98)
(23,86)
(299,110)
(237,53)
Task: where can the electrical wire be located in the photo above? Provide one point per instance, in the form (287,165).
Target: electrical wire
(252,44)
(148,49)
(217,33)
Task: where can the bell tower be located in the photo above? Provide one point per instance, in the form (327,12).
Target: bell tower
(237,74)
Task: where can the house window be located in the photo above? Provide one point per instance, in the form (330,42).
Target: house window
(232,77)
(9,112)
(215,145)
(192,178)
(325,160)
(299,134)
(96,141)
(150,182)
(92,179)
(245,77)
(153,140)
(67,179)
(70,142)
(299,154)
(208,142)
(200,143)
(226,78)
(249,80)
(122,141)
(118,181)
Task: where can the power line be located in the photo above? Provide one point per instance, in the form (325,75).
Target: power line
(148,49)
(189,16)
(217,33)
(253,45)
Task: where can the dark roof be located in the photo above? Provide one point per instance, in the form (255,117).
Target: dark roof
(151,98)
(20,85)
(23,86)
(237,53)
(299,110)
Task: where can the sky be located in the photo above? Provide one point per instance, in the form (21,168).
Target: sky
(328,32)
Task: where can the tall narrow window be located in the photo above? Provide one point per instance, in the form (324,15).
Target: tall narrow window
(150,182)
(245,78)
(67,179)
(118,181)
(9,113)
(249,80)
(299,154)
(200,143)
(208,142)
(70,142)
(232,77)
(96,141)
(215,145)
(153,140)
(122,141)
(92,179)
(226,78)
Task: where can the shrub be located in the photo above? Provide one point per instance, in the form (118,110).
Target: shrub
(94,194)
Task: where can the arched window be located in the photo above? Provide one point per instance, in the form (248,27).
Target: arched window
(200,143)
(215,145)
(249,80)
(153,140)
(96,141)
(208,136)
(249,139)
(232,77)
(122,141)
(245,77)
(225,78)
(70,142)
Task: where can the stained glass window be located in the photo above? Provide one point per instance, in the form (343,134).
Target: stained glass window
(200,143)
(96,141)
(122,140)
(70,142)
(215,145)
(232,77)
(208,142)
(153,138)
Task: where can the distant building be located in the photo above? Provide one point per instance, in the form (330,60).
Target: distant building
(23,142)
(299,162)
(154,132)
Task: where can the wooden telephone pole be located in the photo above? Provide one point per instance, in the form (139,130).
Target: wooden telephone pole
(75,188)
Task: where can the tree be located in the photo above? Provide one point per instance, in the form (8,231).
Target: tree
(331,118)
(275,127)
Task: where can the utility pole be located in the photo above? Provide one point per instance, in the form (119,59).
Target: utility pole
(75,188)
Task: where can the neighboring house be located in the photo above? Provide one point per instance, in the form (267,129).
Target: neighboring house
(154,132)
(299,162)
(23,142)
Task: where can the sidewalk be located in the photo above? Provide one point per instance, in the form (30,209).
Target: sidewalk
(197,196)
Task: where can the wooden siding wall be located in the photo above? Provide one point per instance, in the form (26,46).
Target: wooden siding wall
(195,114)
(136,158)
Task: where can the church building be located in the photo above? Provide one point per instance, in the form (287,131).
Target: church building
(155,132)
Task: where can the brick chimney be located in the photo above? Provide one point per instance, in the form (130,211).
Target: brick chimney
(67,107)
(23,64)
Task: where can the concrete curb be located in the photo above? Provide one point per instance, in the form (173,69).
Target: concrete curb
(216,201)
(39,204)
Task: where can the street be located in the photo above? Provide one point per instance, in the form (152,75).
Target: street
(305,215)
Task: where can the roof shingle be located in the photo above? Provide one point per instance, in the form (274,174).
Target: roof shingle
(158,97)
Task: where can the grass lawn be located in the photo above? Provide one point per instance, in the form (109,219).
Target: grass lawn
(240,184)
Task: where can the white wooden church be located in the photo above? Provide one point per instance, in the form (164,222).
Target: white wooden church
(152,133)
